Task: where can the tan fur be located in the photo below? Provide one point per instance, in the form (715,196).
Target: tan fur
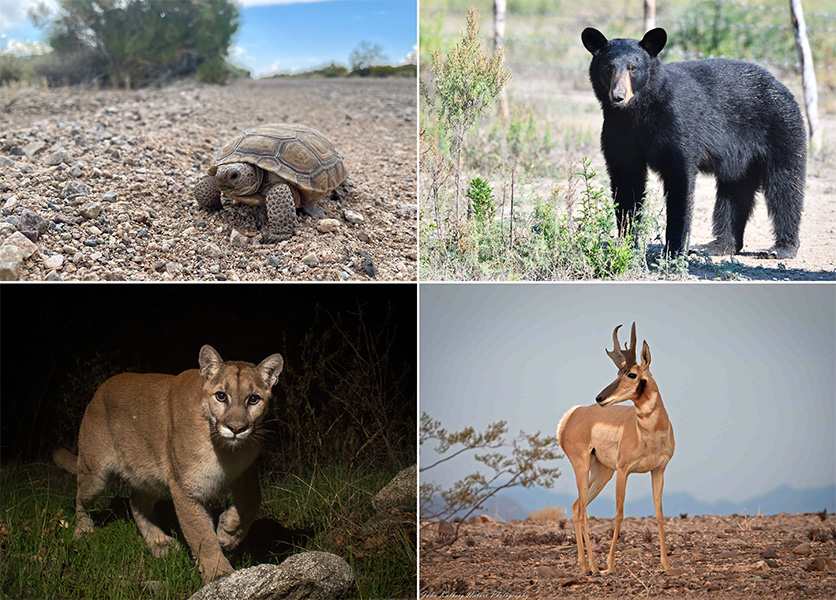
(172,435)
(601,439)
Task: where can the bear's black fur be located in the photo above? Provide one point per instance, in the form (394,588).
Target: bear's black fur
(719,116)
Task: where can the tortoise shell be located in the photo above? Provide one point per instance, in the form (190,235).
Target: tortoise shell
(295,154)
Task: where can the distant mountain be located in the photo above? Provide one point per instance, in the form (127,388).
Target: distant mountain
(518,503)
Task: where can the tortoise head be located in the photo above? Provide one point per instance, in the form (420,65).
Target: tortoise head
(239,179)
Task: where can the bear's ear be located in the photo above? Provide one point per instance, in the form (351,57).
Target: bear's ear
(654,40)
(593,40)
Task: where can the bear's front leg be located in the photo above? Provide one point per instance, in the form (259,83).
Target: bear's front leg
(628,180)
(679,190)
(196,523)
(235,521)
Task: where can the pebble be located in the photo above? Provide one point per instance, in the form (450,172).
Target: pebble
(11,259)
(109,197)
(32,148)
(174,269)
(23,243)
(73,189)
(353,217)
(310,259)
(328,225)
(236,238)
(57,157)
(821,563)
(364,237)
(368,267)
(212,250)
(274,261)
(10,203)
(32,221)
(802,549)
(56,261)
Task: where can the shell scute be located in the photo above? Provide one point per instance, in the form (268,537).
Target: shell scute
(297,154)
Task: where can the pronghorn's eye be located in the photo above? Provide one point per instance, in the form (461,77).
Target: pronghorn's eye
(220,397)
(632,375)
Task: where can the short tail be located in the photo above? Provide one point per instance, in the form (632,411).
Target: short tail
(66,460)
(563,424)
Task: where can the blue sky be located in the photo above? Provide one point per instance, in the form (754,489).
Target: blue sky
(284,35)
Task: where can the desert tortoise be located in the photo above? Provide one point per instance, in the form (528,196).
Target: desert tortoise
(283,166)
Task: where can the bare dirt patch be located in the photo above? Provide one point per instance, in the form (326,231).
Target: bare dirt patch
(731,558)
(138,154)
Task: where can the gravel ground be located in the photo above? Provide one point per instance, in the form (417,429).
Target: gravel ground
(96,185)
(735,558)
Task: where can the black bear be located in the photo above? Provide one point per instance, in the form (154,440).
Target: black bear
(729,118)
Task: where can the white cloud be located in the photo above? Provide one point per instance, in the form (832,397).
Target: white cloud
(15,13)
(21,48)
(411,58)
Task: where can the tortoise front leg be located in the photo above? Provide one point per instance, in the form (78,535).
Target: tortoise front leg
(207,193)
(281,213)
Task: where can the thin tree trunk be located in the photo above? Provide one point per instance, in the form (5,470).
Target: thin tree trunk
(511,223)
(808,73)
(499,42)
(649,15)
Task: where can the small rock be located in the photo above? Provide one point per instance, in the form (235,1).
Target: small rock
(802,549)
(761,566)
(56,261)
(769,554)
(109,197)
(11,259)
(713,586)
(368,267)
(6,229)
(16,151)
(23,243)
(274,261)
(32,221)
(364,237)
(189,231)
(567,581)
(10,203)
(773,564)
(353,217)
(821,563)
(546,571)
(76,171)
(236,238)
(446,528)
(299,269)
(212,250)
(737,543)
(328,225)
(32,148)
(174,269)
(6,161)
(91,210)
(57,157)
(73,189)
(310,259)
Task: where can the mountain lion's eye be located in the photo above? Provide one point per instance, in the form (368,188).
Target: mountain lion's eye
(221,397)
(253,400)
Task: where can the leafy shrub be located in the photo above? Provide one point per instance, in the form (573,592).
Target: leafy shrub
(481,204)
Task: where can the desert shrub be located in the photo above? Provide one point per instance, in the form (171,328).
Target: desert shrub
(480,200)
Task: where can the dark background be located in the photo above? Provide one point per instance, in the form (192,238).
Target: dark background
(58,342)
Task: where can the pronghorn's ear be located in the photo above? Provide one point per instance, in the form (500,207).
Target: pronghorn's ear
(645,355)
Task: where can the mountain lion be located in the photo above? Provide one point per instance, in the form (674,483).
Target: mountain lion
(186,436)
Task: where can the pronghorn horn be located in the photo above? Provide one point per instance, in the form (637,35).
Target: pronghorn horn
(616,355)
(623,356)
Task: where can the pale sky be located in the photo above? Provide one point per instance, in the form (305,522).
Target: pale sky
(747,372)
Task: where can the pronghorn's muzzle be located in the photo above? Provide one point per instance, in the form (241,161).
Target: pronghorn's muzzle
(607,392)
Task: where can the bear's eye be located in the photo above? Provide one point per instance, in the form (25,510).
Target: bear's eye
(220,397)
(632,68)
(253,400)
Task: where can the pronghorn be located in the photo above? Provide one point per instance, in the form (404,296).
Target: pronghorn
(600,440)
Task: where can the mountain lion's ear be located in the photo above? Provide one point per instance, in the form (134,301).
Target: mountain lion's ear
(210,362)
(270,367)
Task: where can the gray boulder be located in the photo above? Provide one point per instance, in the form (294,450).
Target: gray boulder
(400,493)
(309,575)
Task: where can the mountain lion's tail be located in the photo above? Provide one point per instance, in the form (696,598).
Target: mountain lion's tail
(66,460)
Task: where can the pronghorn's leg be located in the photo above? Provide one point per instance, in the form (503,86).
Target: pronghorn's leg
(581,467)
(657,477)
(620,490)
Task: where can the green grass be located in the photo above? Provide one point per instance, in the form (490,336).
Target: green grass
(41,559)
